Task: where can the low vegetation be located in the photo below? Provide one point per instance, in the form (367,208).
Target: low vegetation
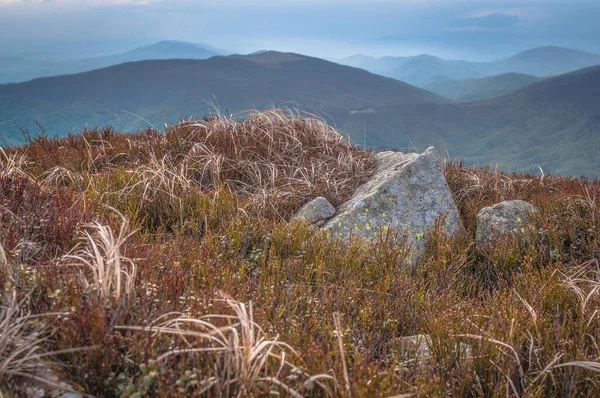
(154,264)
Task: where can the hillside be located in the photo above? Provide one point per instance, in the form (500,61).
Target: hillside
(470,90)
(547,61)
(19,70)
(418,70)
(423,70)
(166,49)
(553,123)
(170,90)
(144,264)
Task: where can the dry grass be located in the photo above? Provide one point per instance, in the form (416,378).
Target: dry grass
(274,157)
(23,337)
(247,362)
(113,274)
(211,200)
(533,369)
(13,164)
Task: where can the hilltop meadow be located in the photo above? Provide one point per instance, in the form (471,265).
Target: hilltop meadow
(167,264)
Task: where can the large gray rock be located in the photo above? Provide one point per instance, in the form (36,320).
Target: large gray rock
(407,192)
(317,211)
(511,218)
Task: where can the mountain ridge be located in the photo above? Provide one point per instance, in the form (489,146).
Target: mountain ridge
(541,124)
(23,70)
(182,88)
(420,69)
(470,90)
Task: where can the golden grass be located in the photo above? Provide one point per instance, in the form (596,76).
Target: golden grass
(247,362)
(211,201)
(113,274)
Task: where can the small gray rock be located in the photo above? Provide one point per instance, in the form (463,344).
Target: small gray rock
(419,347)
(52,387)
(407,192)
(3,260)
(71,395)
(317,211)
(511,218)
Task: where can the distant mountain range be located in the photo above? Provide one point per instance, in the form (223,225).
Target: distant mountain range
(553,123)
(470,90)
(15,69)
(168,90)
(424,70)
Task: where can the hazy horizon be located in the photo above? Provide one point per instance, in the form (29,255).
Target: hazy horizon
(470,30)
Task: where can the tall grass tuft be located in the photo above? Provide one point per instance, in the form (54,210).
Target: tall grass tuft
(113,274)
(13,164)
(275,157)
(245,361)
(22,340)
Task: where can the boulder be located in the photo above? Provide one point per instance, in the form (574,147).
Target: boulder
(317,211)
(511,218)
(407,192)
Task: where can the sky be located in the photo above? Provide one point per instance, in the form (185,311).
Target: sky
(467,29)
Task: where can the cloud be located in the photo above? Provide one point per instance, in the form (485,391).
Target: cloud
(451,28)
(496,20)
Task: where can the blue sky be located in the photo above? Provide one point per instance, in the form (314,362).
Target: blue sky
(476,30)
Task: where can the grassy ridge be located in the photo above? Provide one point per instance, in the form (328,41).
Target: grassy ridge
(207,206)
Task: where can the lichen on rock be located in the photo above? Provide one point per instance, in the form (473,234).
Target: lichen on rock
(508,219)
(407,192)
(317,211)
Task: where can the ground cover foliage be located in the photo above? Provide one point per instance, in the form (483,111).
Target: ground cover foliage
(152,264)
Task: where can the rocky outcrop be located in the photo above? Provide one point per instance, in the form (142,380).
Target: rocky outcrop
(508,219)
(316,212)
(407,192)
